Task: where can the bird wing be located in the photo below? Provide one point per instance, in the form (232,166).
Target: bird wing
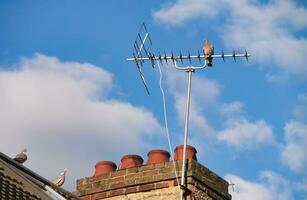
(21,157)
(211,49)
(208,49)
(58,180)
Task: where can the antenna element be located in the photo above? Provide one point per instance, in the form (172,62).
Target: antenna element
(141,47)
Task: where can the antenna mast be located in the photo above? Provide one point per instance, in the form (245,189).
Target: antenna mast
(142,45)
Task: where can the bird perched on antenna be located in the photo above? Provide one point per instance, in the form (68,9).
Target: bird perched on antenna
(59,180)
(208,50)
(21,157)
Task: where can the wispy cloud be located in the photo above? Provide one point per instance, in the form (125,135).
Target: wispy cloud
(268,30)
(270,186)
(205,95)
(241,133)
(294,151)
(300,111)
(185,10)
(62,113)
(235,130)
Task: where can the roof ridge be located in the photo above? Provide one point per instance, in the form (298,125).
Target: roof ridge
(34,177)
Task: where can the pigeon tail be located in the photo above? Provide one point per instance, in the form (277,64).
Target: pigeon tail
(210,63)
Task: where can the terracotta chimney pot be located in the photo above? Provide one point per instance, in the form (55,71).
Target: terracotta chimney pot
(190,152)
(131,160)
(157,156)
(104,167)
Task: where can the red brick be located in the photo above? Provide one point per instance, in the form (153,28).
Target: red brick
(131,190)
(172,183)
(86,197)
(116,192)
(161,185)
(92,191)
(99,196)
(176,183)
(165,184)
(146,187)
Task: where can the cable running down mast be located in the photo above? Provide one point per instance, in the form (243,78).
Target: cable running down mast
(142,54)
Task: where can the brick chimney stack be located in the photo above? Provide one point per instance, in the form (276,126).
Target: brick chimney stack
(155,180)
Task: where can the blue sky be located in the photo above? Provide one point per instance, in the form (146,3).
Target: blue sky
(70,97)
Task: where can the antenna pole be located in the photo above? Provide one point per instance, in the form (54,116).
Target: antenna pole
(190,70)
(140,47)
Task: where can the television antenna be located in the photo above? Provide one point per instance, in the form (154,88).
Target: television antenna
(231,184)
(142,54)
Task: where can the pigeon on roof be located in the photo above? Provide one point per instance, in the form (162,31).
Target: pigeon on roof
(21,157)
(208,51)
(59,180)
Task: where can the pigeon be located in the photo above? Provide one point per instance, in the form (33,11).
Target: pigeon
(208,51)
(21,157)
(59,180)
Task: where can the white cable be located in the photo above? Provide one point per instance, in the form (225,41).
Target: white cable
(166,124)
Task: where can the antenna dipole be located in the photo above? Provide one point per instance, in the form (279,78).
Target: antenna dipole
(140,47)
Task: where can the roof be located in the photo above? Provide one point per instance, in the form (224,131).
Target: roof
(19,182)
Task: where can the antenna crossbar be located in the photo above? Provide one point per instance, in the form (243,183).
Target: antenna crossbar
(164,58)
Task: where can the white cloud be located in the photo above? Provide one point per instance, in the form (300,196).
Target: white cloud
(241,133)
(232,109)
(238,131)
(267,30)
(271,186)
(62,113)
(205,94)
(301,186)
(295,148)
(300,111)
(184,10)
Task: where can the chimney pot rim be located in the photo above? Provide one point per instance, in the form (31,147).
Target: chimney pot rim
(159,151)
(132,156)
(188,147)
(105,162)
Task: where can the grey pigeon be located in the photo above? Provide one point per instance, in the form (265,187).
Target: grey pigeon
(59,180)
(21,157)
